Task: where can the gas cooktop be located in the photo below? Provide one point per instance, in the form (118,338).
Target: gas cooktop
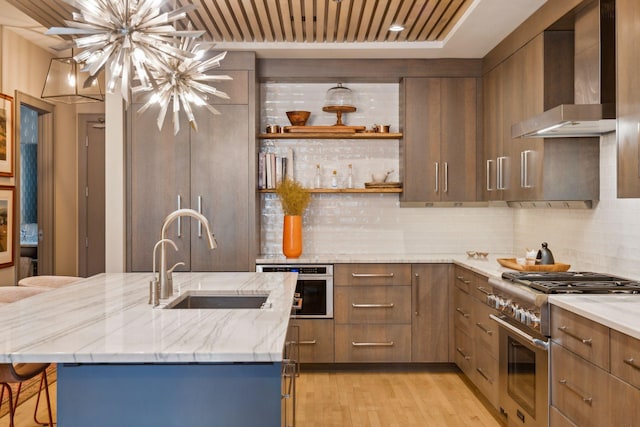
(573,282)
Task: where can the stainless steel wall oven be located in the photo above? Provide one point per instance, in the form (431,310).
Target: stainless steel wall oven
(314,288)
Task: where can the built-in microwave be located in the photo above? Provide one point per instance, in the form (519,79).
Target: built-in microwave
(314,288)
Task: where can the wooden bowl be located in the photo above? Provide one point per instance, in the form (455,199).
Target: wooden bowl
(298,118)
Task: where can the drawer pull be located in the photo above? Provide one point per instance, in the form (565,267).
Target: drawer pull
(462,279)
(585,341)
(371,274)
(372,344)
(388,305)
(312,342)
(459,310)
(459,350)
(632,363)
(485,330)
(484,290)
(587,400)
(485,376)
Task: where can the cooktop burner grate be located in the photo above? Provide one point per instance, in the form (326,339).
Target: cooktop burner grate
(573,282)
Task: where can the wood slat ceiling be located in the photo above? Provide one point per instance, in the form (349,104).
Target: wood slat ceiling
(310,21)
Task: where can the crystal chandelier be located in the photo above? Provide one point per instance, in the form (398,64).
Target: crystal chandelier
(125,36)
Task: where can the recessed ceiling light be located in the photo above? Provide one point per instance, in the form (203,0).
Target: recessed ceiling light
(396,27)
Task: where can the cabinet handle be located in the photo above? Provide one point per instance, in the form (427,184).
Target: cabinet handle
(417,294)
(483,329)
(500,184)
(462,279)
(179,218)
(489,175)
(437,176)
(459,350)
(632,363)
(522,169)
(526,183)
(585,341)
(372,344)
(587,400)
(465,315)
(312,342)
(387,305)
(200,212)
(484,290)
(446,177)
(484,375)
(371,274)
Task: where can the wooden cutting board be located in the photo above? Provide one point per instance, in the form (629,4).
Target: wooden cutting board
(320,129)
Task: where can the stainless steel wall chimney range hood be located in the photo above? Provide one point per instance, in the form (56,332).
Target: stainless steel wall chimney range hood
(594,110)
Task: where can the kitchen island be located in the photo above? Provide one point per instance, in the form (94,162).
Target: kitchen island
(122,362)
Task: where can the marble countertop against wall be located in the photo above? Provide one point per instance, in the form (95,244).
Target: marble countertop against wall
(107,319)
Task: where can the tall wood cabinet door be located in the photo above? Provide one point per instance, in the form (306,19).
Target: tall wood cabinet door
(628,96)
(492,134)
(159,176)
(220,161)
(420,157)
(459,139)
(430,312)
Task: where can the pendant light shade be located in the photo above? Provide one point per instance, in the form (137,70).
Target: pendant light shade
(65,80)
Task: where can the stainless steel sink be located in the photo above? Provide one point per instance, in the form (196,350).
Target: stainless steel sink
(218,301)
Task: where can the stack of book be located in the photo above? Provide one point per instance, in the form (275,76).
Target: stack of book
(273,168)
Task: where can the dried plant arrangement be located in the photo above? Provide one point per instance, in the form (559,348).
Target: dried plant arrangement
(293,196)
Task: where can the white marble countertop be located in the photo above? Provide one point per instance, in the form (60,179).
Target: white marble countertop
(107,319)
(618,311)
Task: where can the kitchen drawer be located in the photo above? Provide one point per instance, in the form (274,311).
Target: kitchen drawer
(463,311)
(557,419)
(486,330)
(464,279)
(579,389)
(481,288)
(315,340)
(463,356)
(373,343)
(486,375)
(625,358)
(372,304)
(580,335)
(625,404)
(371,274)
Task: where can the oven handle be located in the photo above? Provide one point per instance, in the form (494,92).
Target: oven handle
(533,341)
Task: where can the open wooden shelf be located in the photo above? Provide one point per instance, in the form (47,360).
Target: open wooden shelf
(330,135)
(346,190)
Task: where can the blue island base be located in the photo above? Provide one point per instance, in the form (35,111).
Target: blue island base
(225,395)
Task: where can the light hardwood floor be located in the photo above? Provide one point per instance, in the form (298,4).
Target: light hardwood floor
(365,399)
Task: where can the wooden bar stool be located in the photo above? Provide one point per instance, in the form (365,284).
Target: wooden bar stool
(51,282)
(20,372)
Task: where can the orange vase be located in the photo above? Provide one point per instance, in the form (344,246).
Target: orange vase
(292,236)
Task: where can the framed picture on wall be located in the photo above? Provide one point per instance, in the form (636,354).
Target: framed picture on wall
(7,215)
(6,135)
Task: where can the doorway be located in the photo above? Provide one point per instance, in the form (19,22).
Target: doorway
(36,232)
(91,194)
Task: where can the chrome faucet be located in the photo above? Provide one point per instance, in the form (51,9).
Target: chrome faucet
(166,286)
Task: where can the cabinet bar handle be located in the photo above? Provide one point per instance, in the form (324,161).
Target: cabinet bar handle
(489,175)
(459,350)
(417,294)
(484,375)
(200,212)
(522,169)
(371,274)
(372,344)
(585,341)
(459,310)
(446,177)
(179,218)
(500,184)
(312,342)
(587,400)
(632,363)
(462,279)
(484,290)
(527,184)
(387,305)
(437,175)
(483,329)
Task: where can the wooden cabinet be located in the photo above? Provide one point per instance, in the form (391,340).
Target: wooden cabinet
(211,170)
(628,94)
(493,168)
(430,312)
(372,312)
(594,380)
(313,340)
(439,151)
